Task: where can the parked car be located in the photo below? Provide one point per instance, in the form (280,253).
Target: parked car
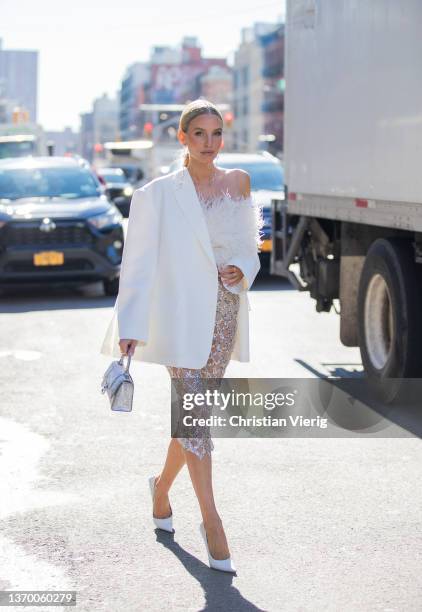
(56,224)
(118,187)
(267,182)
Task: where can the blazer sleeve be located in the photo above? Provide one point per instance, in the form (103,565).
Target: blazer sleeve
(250,266)
(138,268)
(246,256)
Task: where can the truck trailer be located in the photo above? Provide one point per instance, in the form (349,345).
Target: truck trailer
(350,228)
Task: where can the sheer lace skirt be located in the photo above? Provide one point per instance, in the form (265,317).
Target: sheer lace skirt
(188,380)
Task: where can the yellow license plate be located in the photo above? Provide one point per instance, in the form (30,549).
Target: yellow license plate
(49,258)
(267,245)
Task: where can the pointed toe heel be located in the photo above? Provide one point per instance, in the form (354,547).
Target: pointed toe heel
(166,524)
(223,565)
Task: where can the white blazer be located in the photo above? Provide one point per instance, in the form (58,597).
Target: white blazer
(169,279)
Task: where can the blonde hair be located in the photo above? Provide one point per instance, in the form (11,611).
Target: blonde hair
(192,110)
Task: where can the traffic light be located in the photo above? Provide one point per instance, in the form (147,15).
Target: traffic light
(148,127)
(20,115)
(228,119)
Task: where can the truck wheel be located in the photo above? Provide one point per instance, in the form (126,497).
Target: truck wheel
(389,317)
(111,286)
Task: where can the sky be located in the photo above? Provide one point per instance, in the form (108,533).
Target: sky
(85,45)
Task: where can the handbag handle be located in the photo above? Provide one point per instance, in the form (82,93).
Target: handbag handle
(129,357)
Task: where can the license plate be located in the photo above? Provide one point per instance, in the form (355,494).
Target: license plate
(267,245)
(49,258)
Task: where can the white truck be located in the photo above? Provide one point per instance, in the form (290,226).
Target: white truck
(22,139)
(350,228)
(134,157)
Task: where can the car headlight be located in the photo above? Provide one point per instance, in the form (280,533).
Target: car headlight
(128,191)
(111,217)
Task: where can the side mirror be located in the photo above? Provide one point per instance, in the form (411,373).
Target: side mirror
(123,204)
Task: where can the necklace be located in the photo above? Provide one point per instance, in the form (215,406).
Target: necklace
(209,181)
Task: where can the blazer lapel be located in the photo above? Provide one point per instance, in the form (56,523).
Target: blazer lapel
(187,199)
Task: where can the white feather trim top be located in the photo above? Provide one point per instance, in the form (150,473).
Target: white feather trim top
(234,225)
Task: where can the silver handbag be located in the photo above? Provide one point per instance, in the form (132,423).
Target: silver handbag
(119,385)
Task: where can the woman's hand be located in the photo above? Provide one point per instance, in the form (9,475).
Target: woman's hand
(127,347)
(231,275)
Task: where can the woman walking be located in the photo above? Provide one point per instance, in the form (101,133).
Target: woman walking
(189,258)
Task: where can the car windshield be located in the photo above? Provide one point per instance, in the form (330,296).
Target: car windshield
(114,178)
(66,182)
(263,175)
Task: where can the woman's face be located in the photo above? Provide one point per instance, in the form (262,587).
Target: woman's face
(203,138)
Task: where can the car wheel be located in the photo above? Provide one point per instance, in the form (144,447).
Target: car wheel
(111,286)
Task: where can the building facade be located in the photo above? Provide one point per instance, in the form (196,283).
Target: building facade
(176,73)
(152,94)
(216,85)
(63,141)
(105,119)
(273,92)
(133,92)
(19,80)
(254,105)
(86,136)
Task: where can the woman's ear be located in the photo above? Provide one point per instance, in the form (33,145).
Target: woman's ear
(181,136)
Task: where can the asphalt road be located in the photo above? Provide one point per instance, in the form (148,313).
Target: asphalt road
(313,524)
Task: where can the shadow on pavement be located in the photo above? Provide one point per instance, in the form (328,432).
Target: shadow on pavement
(265,282)
(66,296)
(404,413)
(220,594)
(30,298)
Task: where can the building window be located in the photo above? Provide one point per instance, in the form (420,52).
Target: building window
(235,79)
(245,105)
(245,75)
(245,138)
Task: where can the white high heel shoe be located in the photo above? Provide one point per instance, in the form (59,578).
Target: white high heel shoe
(162,523)
(223,565)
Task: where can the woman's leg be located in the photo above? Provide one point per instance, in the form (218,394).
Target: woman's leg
(199,463)
(200,471)
(174,462)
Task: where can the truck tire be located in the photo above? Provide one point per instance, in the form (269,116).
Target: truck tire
(390,317)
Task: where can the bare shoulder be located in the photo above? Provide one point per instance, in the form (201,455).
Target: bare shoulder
(239,182)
